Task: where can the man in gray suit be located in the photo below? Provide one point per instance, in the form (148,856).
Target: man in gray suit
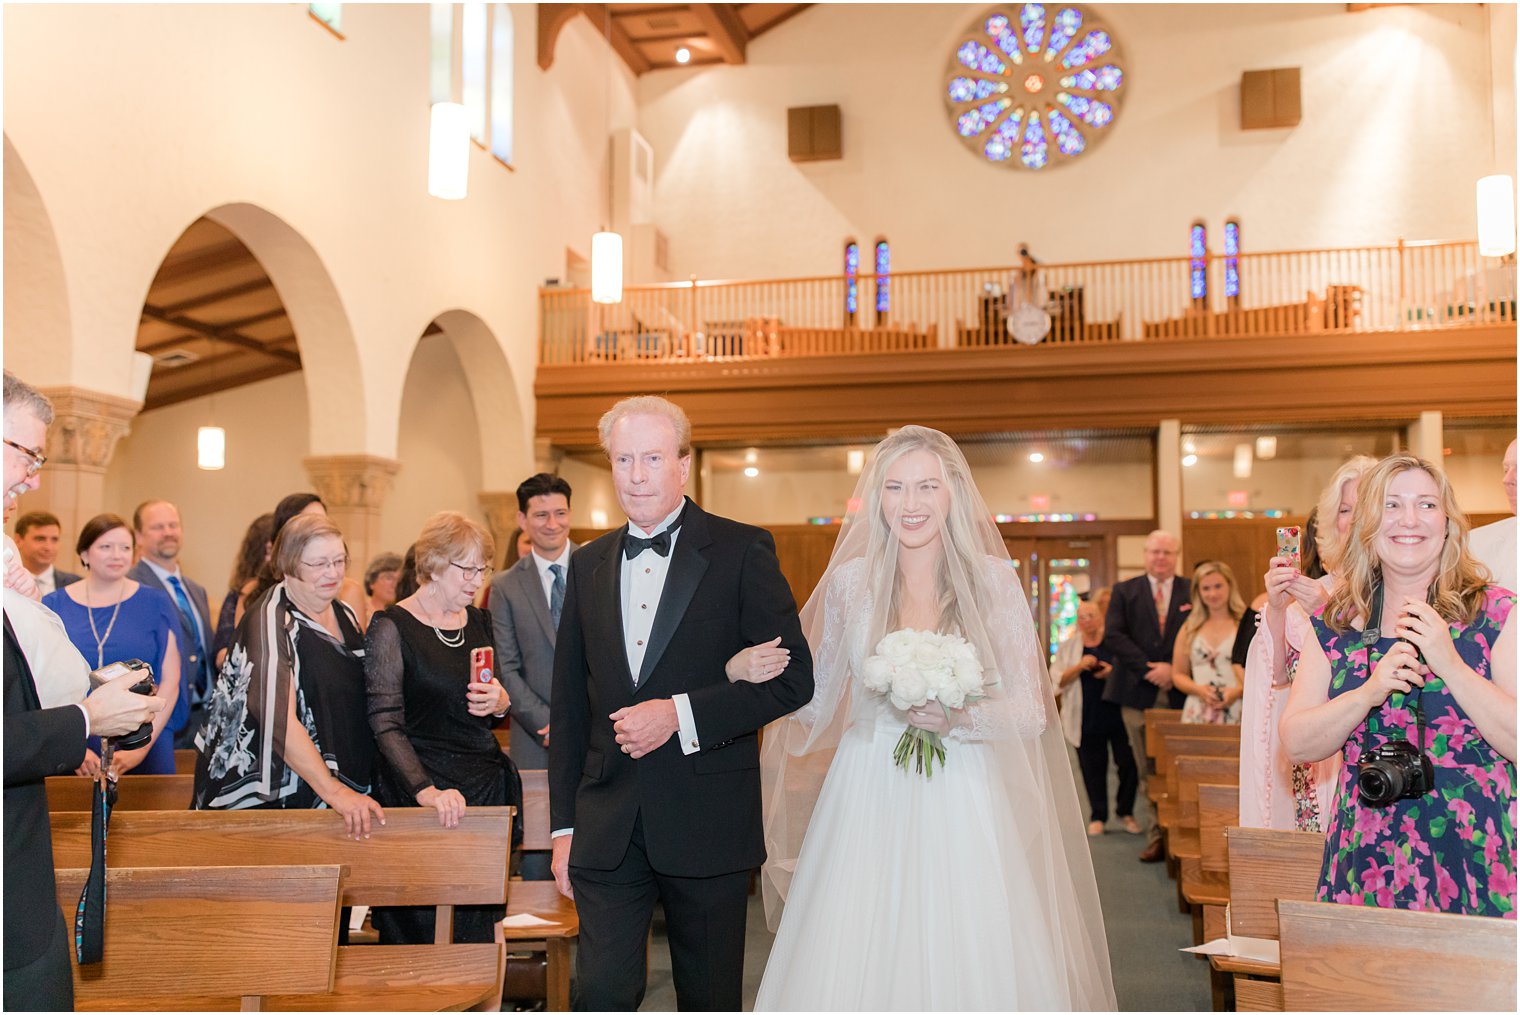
(37,537)
(525,605)
(159,540)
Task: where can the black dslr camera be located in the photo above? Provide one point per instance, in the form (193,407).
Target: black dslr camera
(144,733)
(1397,770)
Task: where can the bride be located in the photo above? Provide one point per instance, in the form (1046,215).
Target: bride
(968,888)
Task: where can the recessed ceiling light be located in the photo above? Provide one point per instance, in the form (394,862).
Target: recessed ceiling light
(1188,461)
(1036,457)
(683,55)
(751,472)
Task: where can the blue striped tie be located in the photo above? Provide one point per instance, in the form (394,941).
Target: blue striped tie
(556,594)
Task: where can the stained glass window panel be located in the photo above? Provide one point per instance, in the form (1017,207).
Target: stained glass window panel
(1068,139)
(851,279)
(441,52)
(1063,607)
(978,57)
(1092,46)
(502,98)
(1198,276)
(883,277)
(1107,78)
(974,121)
(972,89)
(1232,258)
(1032,19)
(1006,138)
(473,68)
(1067,21)
(1035,149)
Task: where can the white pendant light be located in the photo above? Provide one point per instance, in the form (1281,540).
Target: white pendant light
(449,151)
(1496,216)
(211,448)
(607,267)
(1242,463)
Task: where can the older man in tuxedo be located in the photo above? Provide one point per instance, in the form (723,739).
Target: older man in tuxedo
(654,765)
(1144,617)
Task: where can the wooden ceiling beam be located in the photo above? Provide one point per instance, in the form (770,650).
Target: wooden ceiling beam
(243,322)
(211,261)
(552,18)
(724,28)
(159,398)
(220,334)
(606,25)
(218,296)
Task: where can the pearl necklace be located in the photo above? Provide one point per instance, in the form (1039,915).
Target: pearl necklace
(458,636)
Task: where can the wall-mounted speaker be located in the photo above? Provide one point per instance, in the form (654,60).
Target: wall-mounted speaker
(813,134)
(1270,98)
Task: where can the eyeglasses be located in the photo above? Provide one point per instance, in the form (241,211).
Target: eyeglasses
(472,572)
(338,564)
(38,459)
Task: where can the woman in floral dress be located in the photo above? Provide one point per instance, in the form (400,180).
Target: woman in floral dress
(1442,644)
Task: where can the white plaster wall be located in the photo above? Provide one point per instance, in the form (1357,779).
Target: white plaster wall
(1396,128)
(439,447)
(134,120)
(267,430)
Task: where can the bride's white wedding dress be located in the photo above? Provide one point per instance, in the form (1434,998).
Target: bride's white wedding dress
(935,894)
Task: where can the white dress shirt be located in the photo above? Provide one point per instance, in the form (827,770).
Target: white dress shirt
(47,581)
(642,586)
(545,576)
(59,672)
(1164,585)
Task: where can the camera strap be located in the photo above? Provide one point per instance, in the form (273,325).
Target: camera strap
(1413,700)
(90,915)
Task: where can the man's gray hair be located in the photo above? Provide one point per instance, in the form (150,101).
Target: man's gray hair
(21,395)
(646,405)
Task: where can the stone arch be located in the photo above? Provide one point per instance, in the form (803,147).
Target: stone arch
(334,375)
(37,320)
(505,446)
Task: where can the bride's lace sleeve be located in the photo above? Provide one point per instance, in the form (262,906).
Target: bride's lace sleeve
(1016,708)
(831,657)
(384,670)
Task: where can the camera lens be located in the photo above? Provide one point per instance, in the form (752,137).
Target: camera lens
(1379,784)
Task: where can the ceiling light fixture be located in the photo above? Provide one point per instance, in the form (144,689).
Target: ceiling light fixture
(1496,216)
(1036,457)
(449,151)
(1243,461)
(683,55)
(1188,461)
(751,472)
(1266,448)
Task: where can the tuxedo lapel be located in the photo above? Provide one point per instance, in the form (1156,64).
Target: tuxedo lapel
(528,581)
(688,563)
(608,581)
(1148,604)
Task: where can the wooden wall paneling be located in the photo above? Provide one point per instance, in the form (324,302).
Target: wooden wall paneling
(1246,544)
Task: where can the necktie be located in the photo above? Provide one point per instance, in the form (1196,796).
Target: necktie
(557,592)
(1160,608)
(183,602)
(659,543)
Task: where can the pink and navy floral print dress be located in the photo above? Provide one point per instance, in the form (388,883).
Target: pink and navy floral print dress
(1453,849)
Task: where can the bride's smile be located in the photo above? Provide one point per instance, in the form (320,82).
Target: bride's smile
(914,499)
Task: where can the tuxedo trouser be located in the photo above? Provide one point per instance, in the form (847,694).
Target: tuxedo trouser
(705,918)
(1134,728)
(47,982)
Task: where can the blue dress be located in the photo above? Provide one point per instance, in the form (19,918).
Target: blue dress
(143,628)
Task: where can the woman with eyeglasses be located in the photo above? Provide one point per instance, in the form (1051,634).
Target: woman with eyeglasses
(432,711)
(286,724)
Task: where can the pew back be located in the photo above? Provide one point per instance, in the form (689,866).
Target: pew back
(1218,809)
(1355,958)
(536,809)
(133,793)
(408,861)
(1267,865)
(173,932)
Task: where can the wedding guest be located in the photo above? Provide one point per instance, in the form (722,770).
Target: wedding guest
(251,558)
(1414,646)
(519,545)
(1093,726)
(406,580)
(160,539)
(289,507)
(37,535)
(1202,666)
(1494,545)
(1144,617)
(380,581)
(111,618)
(298,655)
(432,721)
(1274,792)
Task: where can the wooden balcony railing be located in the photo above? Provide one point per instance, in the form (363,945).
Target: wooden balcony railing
(1404,287)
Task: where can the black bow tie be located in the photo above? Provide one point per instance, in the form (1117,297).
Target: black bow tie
(659,543)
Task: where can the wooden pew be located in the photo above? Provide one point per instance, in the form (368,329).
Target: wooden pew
(133,793)
(175,936)
(542,899)
(184,760)
(1265,865)
(1356,958)
(1208,883)
(1186,742)
(408,861)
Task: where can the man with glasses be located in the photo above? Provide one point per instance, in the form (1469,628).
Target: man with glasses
(42,741)
(159,540)
(28,461)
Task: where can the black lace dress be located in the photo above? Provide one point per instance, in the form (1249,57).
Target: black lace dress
(427,737)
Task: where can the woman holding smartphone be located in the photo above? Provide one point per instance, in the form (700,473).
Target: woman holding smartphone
(433,699)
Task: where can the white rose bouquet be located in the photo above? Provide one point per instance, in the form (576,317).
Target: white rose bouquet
(913,667)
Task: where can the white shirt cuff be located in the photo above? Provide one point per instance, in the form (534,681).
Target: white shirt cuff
(86,719)
(561,833)
(690,744)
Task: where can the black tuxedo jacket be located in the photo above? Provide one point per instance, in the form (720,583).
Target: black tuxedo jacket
(700,812)
(1134,636)
(38,743)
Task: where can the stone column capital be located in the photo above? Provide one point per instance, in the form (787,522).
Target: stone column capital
(500,507)
(86,426)
(352,481)
(546,457)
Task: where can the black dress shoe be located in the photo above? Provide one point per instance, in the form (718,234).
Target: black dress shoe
(1153,854)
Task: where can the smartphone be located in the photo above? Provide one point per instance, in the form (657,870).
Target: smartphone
(482,665)
(1288,545)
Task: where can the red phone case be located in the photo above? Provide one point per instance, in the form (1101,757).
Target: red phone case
(482,664)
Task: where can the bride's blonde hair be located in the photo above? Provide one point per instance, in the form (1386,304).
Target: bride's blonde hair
(960,553)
